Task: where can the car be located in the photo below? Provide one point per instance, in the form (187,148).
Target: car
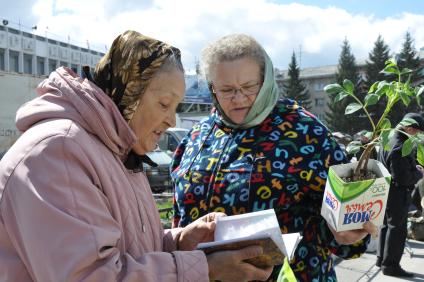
(169,141)
(159,177)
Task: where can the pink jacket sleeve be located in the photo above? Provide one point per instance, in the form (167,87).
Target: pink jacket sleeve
(170,239)
(62,229)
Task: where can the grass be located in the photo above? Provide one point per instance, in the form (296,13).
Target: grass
(165,217)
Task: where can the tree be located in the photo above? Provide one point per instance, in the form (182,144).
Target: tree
(293,88)
(408,58)
(335,117)
(376,62)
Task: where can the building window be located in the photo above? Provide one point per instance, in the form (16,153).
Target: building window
(319,86)
(63,64)
(41,70)
(13,61)
(2,65)
(28,63)
(52,65)
(319,102)
(40,38)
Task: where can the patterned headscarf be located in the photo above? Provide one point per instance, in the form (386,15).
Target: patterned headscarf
(127,68)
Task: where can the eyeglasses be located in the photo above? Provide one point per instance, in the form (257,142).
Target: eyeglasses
(230,93)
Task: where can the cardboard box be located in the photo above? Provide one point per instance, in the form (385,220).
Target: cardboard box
(347,206)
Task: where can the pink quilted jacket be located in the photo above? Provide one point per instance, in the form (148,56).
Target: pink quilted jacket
(69,209)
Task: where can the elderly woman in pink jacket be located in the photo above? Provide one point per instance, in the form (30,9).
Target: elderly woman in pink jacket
(75,203)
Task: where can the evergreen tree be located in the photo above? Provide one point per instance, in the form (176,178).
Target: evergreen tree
(293,88)
(408,58)
(335,117)
(375,63)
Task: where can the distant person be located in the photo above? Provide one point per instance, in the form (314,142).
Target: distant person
(405,174)
(86,73)
(74,202)
(417,198)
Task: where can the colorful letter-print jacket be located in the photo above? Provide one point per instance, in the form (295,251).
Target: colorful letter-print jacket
(281,164)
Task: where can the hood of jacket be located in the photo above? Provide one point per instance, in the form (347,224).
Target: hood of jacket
(64,95)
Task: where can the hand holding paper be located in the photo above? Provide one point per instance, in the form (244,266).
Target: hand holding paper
(257,228)
(232,265)
(201,230)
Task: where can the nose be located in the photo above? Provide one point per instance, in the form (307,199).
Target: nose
(238,93)
(171,119)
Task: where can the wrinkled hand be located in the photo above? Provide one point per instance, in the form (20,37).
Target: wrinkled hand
(352,236)
(201,230)
(228,266)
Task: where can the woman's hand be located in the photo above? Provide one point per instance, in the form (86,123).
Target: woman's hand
(229,265)
(201,230)
(352,236)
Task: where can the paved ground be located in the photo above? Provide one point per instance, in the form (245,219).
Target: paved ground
(364,269)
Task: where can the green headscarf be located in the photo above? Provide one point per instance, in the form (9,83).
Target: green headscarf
(264,103)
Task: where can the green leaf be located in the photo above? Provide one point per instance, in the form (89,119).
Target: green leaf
(390,69)
(386,124)
(371,99)
(385,138)
(407,122)
(348,86)
(353,147)
(420,137)
(409,91)
(368,134)
(382,88)
(352,107)
(420,154)
(340,96)
(333,88)
(391,136)
(404,97)
(419,90)
(391,62)
(405,71)
(407,147)
(373,87)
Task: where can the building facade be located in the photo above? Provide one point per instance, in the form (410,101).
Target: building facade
(315,79)
(27,53)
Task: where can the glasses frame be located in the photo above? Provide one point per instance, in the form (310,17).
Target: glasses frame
(234,91)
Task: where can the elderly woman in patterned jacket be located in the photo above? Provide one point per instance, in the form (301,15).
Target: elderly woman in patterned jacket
(256,152)
(74,202)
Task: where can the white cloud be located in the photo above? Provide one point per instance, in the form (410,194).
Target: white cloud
(191,24)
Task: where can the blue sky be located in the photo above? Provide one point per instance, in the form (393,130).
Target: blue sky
(378,8)
(313,29)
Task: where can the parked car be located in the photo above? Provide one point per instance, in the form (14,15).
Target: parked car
(159,178)
(171,138)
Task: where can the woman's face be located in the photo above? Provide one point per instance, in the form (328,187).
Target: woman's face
(157,108)
(236,85)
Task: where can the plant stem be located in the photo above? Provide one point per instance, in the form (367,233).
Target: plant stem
(362,166)
(366,112)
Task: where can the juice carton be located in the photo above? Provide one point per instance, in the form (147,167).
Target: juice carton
(347,206)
